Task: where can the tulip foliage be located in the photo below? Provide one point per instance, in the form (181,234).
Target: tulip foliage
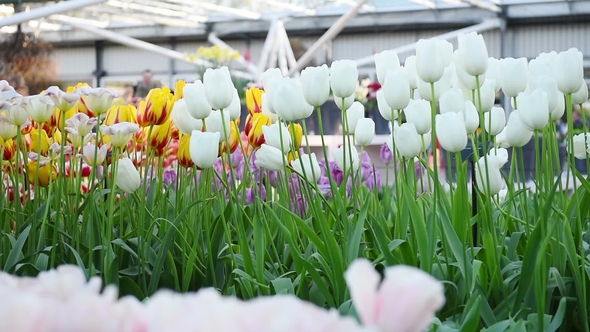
(171,194)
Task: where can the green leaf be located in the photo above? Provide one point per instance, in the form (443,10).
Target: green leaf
(128,287)
(283,286)
(498,327)
(471,315)
(16,250)
(559,314)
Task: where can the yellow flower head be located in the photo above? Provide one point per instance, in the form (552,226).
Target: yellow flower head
(233,140)
(179,89)
(296,134)
(160,135)
(159,103)
(253,129)
(184,154)
(254,100)
(120,113)
(45,141)
(47,173)
(55,122)
(9,147)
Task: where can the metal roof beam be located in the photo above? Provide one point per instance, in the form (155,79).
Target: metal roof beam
(141,18)
(218,8)
(45,11)
(291,7)
(149,8)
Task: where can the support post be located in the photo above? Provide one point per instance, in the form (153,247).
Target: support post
(99,71)
(45,11)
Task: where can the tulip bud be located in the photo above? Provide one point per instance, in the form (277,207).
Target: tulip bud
(9,147)
(270,79)
(119,134)
(494,72)
(159,104)
(441,86)
(542,64)
(96,100)
(219,87)
(548,85)
(44,142)
(559,109)
(452,101)
(429,63)
(141,114)
(514,74)
(120,113)
(581,144)
(270,158)
(342,157)
(490,172)
(410,66)
(233,141)
(501,154)
(179,90)
(488,96)
(253,128)
(418,113)
(16,113)
(396,89)
(471,117)
(568,70)
(469,81)
(39,107)
(183,119)
(235,108)
(128,178)
(307,165)
(473,53)
(63,101)
(385,110)
(385,154)
(364,132)
(288,101)
(533,109)
(254,100)
(353,115)
(344,103)
(498,121)
(407,140)
(160,135)
(196,101)
(88,152)
(517,134)
(384,62)
(204,148)
(277,135)
(218,122)
(296,135)
(315,82)
(343,78)
(7,129)
(184,152)
(266,111)
(451,132)
(47,173)
(581,96)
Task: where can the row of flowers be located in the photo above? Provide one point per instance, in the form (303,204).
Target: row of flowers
(63,300)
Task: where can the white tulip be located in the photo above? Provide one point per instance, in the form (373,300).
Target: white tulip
(418,113)
(288,101)
(441,86)
(514,75)
(498,121)
(473,53)
(348,101)
(471,117)
(307,165)
(445,50)
(546,84)
(384,109)
(494,72)
(451,132)
(559,109)
(204,148)
(469,81)
(270,158)
(429,62)
(277,133)
(410,66)
(501,154)
(266,108)
(269,81)
(581,96)
(235,108)
(219,88)
(581,143)
(407,140)
(7,129)
(343,156)
(316,85)
(488,96)
(183,119)
(396,89)
(452,101)
(541,65)
(533,109)
(384,62)
(120,133)
(343,78)
(218,123)
(501,139)
(364,132)
(353,115)
(63,100)
(568,70)
(490,172)
(517,134)
(16,112)
(39,107)
(196,101)
(128,178)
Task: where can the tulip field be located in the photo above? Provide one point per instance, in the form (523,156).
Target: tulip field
(166,216)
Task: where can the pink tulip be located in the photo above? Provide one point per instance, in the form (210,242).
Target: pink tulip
(405,301)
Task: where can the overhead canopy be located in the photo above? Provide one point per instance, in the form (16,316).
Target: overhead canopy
(201,14)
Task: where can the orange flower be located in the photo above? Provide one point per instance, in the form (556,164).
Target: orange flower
(160,136)
(233,140)
(254,100)
(120,113)
(253,128)
(184,154)
(159,103)
(179,89)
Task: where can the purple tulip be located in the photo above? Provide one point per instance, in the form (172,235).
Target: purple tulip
(374,181)
(170,176)
(252,192)
(420,169)
(366,170)
(273,178)
(385,154)
(236,158)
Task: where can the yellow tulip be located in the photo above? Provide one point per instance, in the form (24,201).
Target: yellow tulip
(254,100)
(55,122)
(141,115)
(120,113)
(233,140)
(253,128)
(47,173)
(81,105)
(160,135)
(184,154)
(159,103)
(9,147)
(178,89)
(45,141)
(296,134)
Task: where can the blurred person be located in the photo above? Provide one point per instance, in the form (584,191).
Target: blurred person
(144,86)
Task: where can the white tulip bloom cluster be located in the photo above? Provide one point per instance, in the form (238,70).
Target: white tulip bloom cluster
(62,300)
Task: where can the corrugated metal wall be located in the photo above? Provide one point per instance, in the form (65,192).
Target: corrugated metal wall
(520,41)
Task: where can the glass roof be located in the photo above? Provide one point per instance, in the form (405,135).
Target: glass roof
(197,13)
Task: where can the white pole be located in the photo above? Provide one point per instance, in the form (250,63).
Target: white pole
(140,44)
(45,11)
(327,36)
(288,49)
(213,39)
(486,25)
(267,48)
